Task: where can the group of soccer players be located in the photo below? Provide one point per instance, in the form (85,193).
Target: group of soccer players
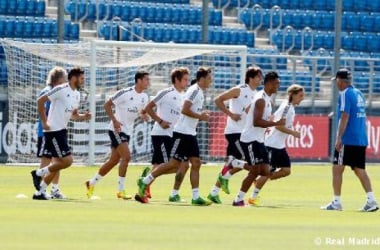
(57,104)
(256,138)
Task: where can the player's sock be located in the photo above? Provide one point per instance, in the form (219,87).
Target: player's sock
(96,179)
(195,192)
(42,171)
(238,163)
(174,193)
(240,196)
(148,179)
(337,199)
(43,187)
(370,196)
(54,187)
(121,183)
(215,190)
(255,193)
(227,175)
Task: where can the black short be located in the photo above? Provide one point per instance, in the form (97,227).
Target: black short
(184,147)
(117,138)
(234,146)
(40,148)
(255,153)
(353,156)
(278,158)
(162,145)
(56,144)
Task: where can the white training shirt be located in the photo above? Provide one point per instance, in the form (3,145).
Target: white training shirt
(251,133)
(276,138)
(188,125)
(169,103)
(128,104)
(239,106)
(64,100)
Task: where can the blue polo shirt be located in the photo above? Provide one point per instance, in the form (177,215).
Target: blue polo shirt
(352,102)
(40,132)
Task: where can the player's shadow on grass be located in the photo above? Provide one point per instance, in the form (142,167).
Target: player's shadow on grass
(267,206)
(174,204)
(71,200)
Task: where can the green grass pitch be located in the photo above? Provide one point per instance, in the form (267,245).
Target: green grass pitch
(287,218)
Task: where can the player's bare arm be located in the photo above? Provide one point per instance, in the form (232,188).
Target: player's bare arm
(108,108)
(341,128)
(258,120)
(149,109)
(143,115)
(76,116)
(42,111)
(225,96)
(186,110)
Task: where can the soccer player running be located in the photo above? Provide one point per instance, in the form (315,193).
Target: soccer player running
(169,103)
(56,76)
(252,136)
(275,141)
(351,141)
(240,98)
(185,145)
(129,103)
(64,100)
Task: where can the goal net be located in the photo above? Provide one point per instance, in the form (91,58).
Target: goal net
(110,66)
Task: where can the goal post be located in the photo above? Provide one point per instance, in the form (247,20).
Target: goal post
(109,66)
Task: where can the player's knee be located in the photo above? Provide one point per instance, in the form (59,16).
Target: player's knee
(286,172)
(195,163)
(67,161)
(253,172)
(360,172)
(126,158)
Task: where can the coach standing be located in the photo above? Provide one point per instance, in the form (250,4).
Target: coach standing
(351,141)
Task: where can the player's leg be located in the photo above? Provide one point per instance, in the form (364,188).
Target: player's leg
(164,168)
(233,165)
(194,175)
(355,157)
(162,146)
(190,151)
(280,172)
(280,163)
(56,143)
(45,159)
(125,157)
(55,190)
(251,151)
(259,184)
(279,167)
(179,176)
(363,178)
(116,139)
(371,205)
(46,175)
(194,180)
(111,162)
(177,153)
(337,180)
(264,169)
